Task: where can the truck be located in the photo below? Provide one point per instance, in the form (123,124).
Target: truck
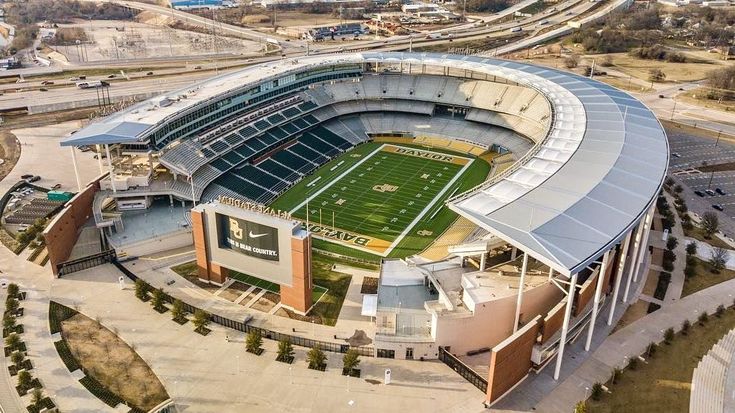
(91,84)
(434,36)
(516,29)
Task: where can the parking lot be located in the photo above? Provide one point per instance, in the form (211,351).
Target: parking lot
(693,153)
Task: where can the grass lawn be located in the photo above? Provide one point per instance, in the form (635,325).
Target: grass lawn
(698,234)
(110,361)
(639,68)
(388,198)
(663,385)
(257,282)
(335,283)
(705,278)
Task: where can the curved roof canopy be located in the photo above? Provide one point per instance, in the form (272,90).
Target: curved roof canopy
(577,193)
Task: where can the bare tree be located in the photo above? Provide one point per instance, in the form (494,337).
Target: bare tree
(718,259)
(710,223)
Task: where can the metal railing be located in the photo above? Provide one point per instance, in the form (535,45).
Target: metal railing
(464,370)
(244,327)
(84,263)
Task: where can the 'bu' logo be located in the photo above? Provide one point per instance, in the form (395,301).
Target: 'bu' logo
(235,229)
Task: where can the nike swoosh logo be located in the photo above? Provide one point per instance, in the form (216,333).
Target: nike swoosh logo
(251,235)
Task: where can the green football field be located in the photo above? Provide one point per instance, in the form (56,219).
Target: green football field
(382,199)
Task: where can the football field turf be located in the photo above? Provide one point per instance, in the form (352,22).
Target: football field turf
(377,195)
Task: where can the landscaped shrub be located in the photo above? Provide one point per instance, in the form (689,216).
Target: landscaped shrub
(633,363)
(141,290)
(13,290)
(157,301)
(66,356)
(703,318)
(350,361)
(720,310)
(58,313)
(671,243)
(316,358)
(691,248)
(596,392)
(285,351)
(685,326)
(201,319)
(254,342)
(98,390)
(13,342)
(651,350)
(178,313)
(669,255)
(580,407)
(667,265)
(669,335)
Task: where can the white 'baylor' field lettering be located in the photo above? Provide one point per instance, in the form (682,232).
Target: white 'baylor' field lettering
(422,154)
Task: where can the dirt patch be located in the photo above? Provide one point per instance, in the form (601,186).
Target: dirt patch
(110,361)
(230,294)
(9,153)
(729,166)
(369,285)
(266,302)
(249,297)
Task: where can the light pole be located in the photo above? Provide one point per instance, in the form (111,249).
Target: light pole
(719,133)
(674,110)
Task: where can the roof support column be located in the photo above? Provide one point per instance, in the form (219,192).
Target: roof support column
(565,326)
(644,241)
(634,260)
(551,273)
(596,302)
(520,292)
(109,166)
(76,169)
(193,198)
(99,159)
(483,261)
(621,267)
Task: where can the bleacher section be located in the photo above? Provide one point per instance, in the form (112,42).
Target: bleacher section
(711,376)
(263,181)
(303,131)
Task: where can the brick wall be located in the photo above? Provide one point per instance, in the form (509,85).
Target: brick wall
(63,231)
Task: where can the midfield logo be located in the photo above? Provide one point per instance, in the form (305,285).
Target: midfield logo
(385,188)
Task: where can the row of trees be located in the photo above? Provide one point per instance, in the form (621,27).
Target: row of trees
(254,340)
(633,363)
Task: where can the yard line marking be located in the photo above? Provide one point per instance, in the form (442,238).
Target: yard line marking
(427,208)
(335,180)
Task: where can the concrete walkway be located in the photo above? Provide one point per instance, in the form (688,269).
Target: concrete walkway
(632,341)
(212,374)
(676,286)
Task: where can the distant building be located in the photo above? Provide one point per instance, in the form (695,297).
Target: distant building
(201,4)
(347,29)
(10,63)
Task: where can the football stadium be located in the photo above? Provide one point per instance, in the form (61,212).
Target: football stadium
(507,204)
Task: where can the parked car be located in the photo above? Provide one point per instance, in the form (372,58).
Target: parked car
(36,178)
(111,76)
(26,176)
(197,67)
(149,74)
(700,193)
(709,192)
(43,89)
(718,207)
(661,96)
(720,191)
(676,155)
(57,186)
(47,82)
